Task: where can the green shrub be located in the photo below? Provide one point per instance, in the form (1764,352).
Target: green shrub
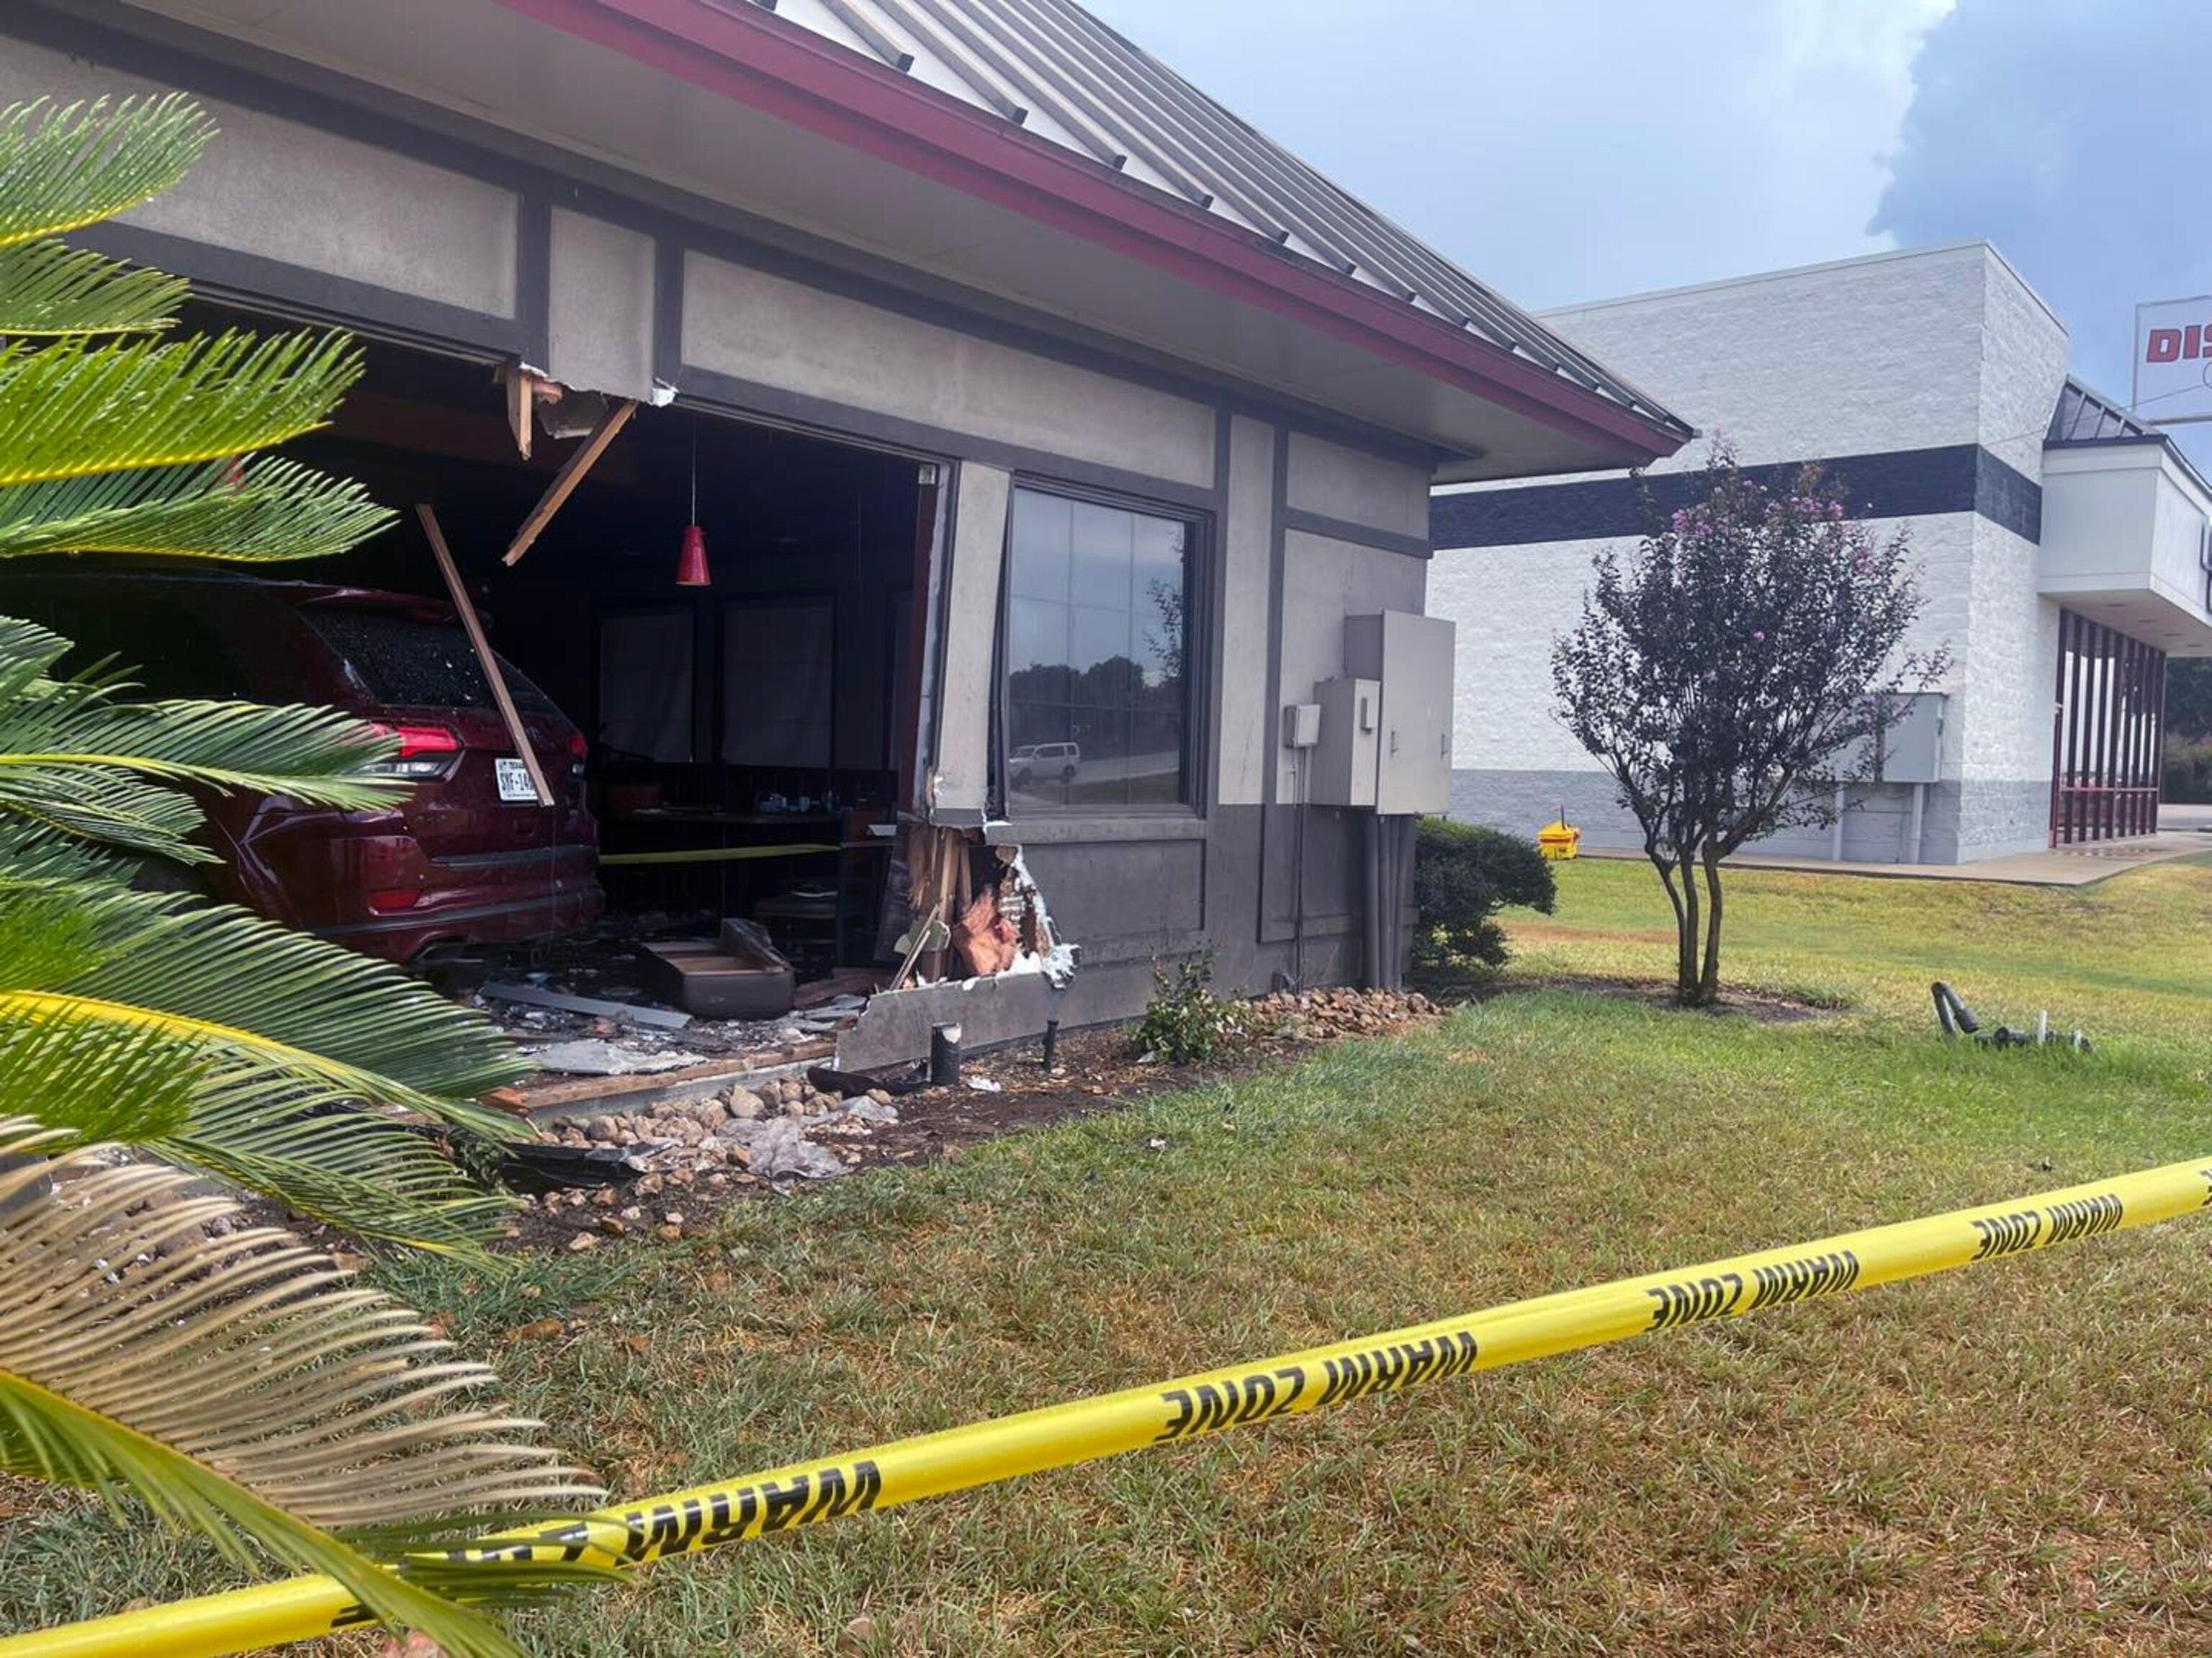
(2188,769)
(1463,875)
(1187,1024)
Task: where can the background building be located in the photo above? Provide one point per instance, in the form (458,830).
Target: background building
(2060,546)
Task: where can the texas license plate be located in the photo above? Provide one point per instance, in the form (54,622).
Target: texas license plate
(514,783)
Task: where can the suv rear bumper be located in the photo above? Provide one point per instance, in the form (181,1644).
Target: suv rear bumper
(380,894)
(403,936)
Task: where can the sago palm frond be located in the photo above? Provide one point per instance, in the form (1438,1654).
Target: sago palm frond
(77,761)
(75,407)
(82,1079)
(309,753)
(99,805)
(160,966)
(49,289)
(243,1387)
(260,509)
(300,1006)
(371,1178)
(311,1145)
(279,1117)
(64,166)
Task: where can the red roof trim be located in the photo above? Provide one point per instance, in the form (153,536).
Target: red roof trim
(762,61)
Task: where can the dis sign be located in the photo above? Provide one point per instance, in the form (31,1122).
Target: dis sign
(2173,361)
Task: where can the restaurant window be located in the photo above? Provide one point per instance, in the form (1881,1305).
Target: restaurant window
(1097,687)
(778,675)
(645,685)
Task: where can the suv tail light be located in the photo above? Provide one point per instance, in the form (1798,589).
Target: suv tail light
(578,749)
(425,751)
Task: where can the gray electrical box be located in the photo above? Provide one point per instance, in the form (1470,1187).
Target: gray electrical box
(1301,724)
(1412,655)
(1343,764)
(1913,743)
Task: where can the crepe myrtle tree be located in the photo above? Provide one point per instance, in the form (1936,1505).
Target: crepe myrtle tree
(1732,669)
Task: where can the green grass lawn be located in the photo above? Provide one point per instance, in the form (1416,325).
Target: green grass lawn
(2009,1459)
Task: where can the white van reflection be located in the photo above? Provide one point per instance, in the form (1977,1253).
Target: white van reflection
(1043,761)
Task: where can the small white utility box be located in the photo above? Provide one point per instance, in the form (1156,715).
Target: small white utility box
(1344,762)
(1412,655)
(1913,743)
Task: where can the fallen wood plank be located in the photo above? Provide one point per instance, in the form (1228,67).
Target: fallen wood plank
(537,995)
(486,659)
(544,1096)
(571,474)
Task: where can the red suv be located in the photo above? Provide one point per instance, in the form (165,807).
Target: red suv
(469,856)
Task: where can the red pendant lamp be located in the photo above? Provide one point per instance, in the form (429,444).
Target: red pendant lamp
(691,561)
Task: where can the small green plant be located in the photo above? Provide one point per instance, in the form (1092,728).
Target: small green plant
(1463,875)
(1187,1024)
(2188,769)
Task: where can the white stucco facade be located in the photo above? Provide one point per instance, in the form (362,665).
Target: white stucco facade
(1926,384)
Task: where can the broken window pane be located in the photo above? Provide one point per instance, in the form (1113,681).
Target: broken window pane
(405,661)
(1096,710)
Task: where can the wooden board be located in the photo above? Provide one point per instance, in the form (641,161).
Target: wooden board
(486,658)
(533,1097)
(571,474)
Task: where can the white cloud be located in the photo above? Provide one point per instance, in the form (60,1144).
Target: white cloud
(1566,153)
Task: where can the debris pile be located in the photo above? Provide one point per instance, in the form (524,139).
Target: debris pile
(747,1138)
(1324,1015)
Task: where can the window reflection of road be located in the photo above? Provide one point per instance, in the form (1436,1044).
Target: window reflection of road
(1109,780)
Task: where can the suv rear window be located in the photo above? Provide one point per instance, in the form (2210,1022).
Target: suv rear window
(406,662)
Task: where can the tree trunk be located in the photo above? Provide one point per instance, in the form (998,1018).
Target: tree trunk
(1688,938)
(1709,976)
(1673,897)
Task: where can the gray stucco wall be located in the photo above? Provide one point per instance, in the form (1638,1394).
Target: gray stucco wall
(770,331)
(285,190)
(600,306)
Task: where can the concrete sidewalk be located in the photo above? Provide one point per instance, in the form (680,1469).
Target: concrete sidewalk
(2060,866)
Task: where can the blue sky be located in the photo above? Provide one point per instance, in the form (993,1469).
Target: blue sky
(1571,152)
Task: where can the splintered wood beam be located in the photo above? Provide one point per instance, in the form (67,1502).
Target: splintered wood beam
(485,657)
(521,397)
(571,474)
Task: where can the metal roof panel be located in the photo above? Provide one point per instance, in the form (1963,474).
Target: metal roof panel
(1103,98)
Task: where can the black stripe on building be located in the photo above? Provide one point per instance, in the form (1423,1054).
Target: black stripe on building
(1900,484)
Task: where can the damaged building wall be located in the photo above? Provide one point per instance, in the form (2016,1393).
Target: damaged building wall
(966,685)
(1301,518)
(1136,889)
(600,312)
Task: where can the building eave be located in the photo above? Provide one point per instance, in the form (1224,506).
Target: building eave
(755,58)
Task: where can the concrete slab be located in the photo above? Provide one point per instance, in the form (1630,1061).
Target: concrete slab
(2061,866)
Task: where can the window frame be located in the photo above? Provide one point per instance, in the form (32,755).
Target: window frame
(1201,531)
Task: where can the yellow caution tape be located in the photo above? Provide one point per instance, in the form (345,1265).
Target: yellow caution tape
(1085,1430)
(716,854)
